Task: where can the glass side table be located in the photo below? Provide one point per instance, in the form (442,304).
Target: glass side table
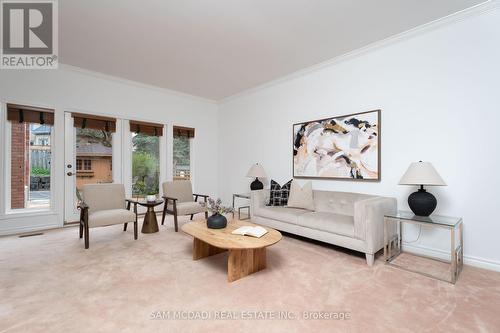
(241,196)
(393,240)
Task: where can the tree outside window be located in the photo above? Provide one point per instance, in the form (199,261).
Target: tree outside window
(145,164)
(182,158)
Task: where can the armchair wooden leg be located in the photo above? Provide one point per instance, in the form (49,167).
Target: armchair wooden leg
(125,226)
(206,212)
(191,217)
(135,230)
(86,236)
(164,214)
(81,230)
(175,216)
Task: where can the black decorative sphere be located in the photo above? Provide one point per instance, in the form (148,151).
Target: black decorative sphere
(256,185)
(217,221)
(422,203)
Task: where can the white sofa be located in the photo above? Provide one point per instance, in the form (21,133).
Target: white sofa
(350,220)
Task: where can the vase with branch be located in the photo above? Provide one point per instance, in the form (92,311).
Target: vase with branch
(217,220)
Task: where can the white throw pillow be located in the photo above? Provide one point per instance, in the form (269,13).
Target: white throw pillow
(301,197)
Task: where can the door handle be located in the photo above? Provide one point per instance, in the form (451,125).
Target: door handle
(70,173)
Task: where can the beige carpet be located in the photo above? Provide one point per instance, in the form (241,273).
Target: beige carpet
(49,283)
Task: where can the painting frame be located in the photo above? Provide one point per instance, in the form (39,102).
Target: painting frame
(379,148)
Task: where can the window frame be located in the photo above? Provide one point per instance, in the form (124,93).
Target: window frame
(127,153)
(87,164)
(79,164)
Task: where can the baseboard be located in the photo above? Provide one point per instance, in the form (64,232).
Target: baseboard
(468,260)
(23,230)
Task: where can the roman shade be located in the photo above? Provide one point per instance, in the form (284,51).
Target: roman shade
(184,131)
(30,114)
(94,122)
(146,128)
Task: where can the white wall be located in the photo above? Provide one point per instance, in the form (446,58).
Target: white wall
(439,95)
(72,89)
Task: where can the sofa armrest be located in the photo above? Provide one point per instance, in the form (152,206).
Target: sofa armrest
(258,199)
(369,220)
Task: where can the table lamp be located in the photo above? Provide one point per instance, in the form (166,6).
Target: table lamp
(420,173)
(256,171)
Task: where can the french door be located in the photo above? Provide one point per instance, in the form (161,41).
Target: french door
(92,153)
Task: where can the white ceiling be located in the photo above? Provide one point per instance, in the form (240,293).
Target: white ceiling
(217,48)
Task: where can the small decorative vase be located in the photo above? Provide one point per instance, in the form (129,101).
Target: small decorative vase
(217,221)
(151,198)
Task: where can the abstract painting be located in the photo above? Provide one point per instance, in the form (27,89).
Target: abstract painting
(344,147)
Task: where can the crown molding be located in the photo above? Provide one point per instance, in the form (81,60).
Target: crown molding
(121,80)
(476,10)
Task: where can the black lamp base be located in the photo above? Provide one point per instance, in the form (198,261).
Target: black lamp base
(422,203)
(256,185)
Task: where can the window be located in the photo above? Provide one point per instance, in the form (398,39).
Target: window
(145,158)
(182,152)
(87,165)
(83,165)
(94,153)
(30,165)
(94,149)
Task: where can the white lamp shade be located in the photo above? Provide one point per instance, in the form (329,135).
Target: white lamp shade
(421,173)
(256,171)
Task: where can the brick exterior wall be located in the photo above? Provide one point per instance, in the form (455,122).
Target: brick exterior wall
(19,164)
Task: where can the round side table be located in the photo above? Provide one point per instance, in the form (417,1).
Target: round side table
(150,224)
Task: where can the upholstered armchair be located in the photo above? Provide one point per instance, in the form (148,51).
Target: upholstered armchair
(103,205)
(180,200)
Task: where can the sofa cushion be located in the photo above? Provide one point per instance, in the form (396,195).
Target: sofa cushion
(279,194)
(284,214)
(337,202)
(179,189)
(301,197)
(188,208)
(109,217)
(329,222)
(103,196)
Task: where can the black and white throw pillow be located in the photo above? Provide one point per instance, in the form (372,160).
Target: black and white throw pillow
(279,194)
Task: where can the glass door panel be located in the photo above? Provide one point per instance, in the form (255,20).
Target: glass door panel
(89,154)
(94,156)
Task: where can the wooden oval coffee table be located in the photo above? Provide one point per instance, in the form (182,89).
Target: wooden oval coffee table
(247,254)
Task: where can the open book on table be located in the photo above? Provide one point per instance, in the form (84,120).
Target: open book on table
(256,231)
